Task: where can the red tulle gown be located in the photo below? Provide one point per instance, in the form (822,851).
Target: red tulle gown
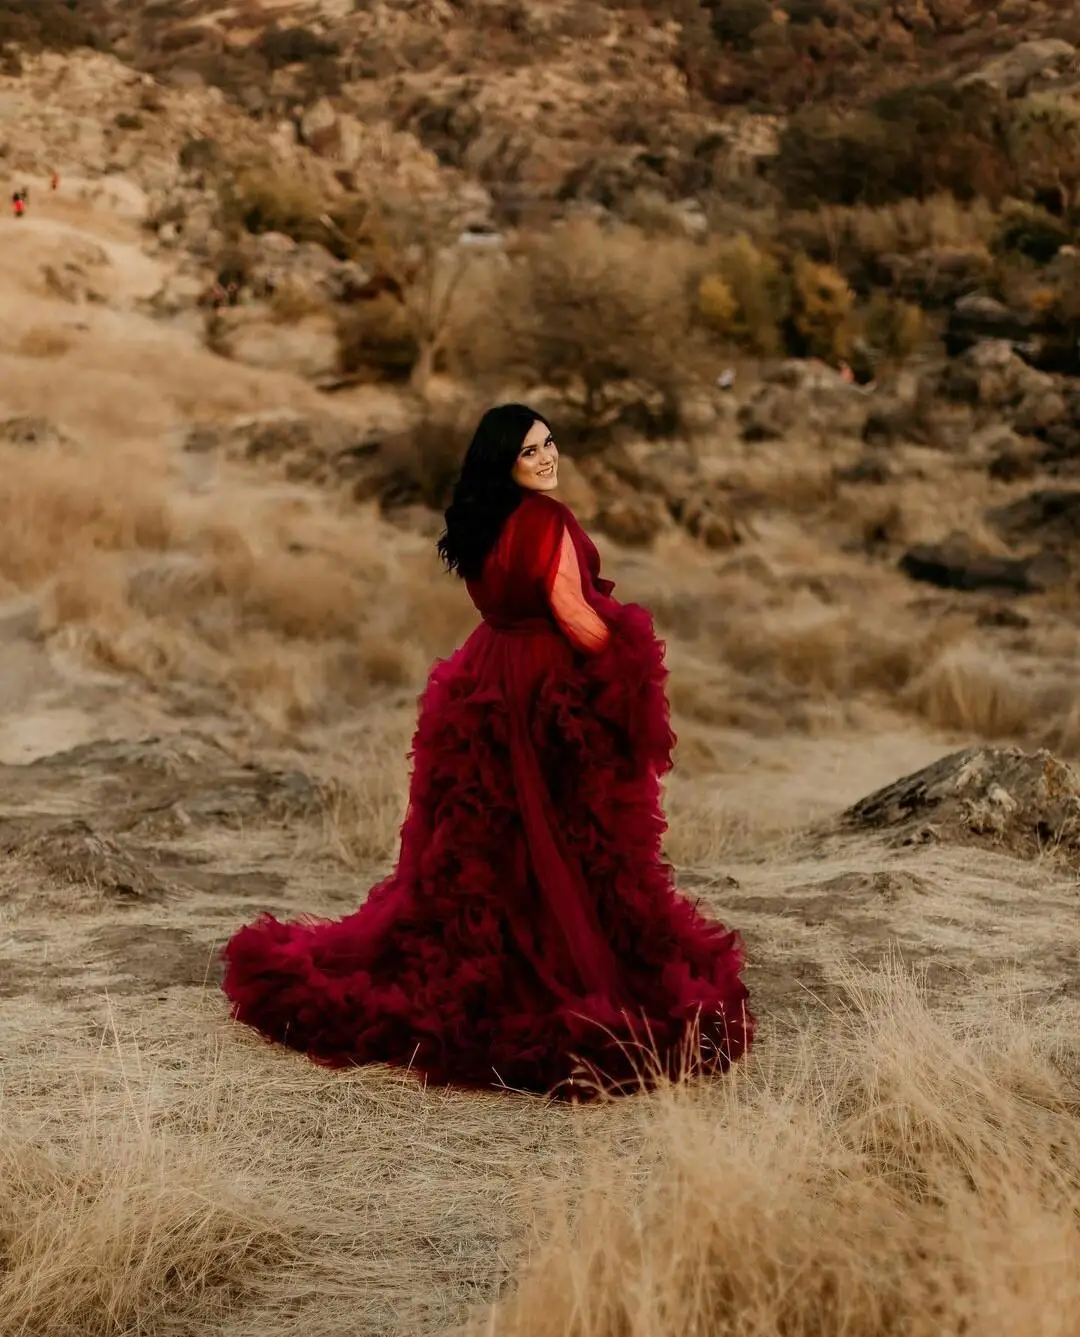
(531,935)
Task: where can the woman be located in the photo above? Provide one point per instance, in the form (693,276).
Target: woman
(530,935)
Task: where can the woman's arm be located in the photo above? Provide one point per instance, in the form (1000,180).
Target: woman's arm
(582,625)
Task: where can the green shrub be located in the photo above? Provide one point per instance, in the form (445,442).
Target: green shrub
(897,329)
(736,21)
(761,292)
(1031,232)
(57,25)
(915,142)
(293,46)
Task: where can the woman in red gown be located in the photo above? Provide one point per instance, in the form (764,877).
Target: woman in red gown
(531,936)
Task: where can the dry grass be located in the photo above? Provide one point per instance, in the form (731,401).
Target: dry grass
(120,1230)
(967,690)
(860,233)
(833,652)
(367,791)
(893,1176)
(291,610)
(884,1172)
(45,341)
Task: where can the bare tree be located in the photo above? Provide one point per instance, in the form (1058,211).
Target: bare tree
(416,243)
(603,315)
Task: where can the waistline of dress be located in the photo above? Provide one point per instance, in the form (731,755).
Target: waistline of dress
(525,626)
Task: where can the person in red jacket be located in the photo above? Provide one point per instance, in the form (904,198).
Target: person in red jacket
(18,204)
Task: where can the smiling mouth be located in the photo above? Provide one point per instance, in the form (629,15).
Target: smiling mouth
(546,473)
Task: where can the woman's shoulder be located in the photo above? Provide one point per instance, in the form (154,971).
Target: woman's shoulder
(539,513)
(541,509)
(544,502)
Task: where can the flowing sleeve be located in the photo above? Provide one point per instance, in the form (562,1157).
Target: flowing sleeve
(580,622)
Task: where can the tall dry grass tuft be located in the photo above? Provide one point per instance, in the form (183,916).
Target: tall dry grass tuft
(112,1233)
(894,1175)
(366,793)
(831,652)
(967,690)
(294,610)
(57,508)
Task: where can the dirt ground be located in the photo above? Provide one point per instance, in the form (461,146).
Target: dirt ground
(142,821)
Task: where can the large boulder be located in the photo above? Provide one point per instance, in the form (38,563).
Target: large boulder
(991,375)
(1049,517)
(977,317)
(1012,73)
(803,395)
(957,565)
(1022,803)
(305,271)
(332,134)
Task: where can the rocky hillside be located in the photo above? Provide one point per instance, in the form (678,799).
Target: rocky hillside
(545,103)
(606,205)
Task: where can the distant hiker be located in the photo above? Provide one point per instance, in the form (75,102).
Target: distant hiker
(18,205)
(233,293)
(54,181)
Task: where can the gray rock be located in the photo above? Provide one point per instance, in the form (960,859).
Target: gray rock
(1023,803)
(1016,69)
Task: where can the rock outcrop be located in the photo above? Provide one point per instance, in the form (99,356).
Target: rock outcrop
(1022,803)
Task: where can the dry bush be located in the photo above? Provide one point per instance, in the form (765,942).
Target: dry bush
(413,244)
(822,306)
(376,337)
(1044,139)
(56,25)
(291,303)
(856,237)
(419,465)
(602,315)
(264,199)
(916,141)
(758,289)
(103,1234)
(295,615)
(829,652)
(966,690)
(896,1174)
(716,304)
(895,328)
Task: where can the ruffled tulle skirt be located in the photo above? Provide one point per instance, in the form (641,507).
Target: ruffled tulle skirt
(531,935)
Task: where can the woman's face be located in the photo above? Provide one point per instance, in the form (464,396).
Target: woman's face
(537,464)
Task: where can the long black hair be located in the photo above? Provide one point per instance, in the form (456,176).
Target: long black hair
(485,495)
